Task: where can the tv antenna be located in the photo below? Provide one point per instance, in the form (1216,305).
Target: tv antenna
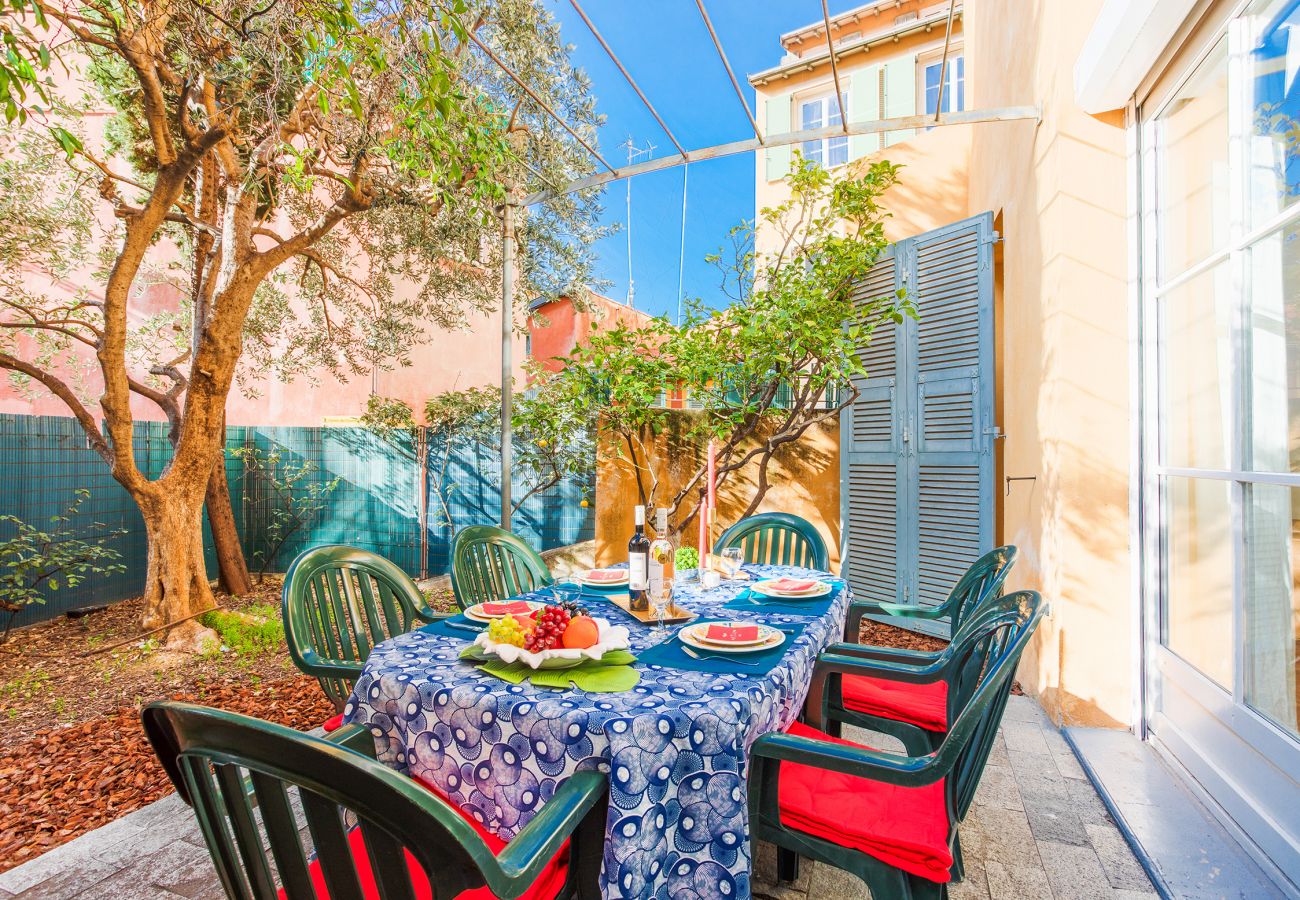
(633,152)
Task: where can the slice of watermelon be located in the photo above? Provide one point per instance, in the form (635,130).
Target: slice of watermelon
(509,608)
(731,634)
(792,585)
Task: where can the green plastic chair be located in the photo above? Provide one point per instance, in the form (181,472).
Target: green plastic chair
(223,764)
(777,539)
(984,667)
(491,564)
(338,603)
(982,581)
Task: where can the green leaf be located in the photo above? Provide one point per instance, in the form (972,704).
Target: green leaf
(514,673)
(613,658)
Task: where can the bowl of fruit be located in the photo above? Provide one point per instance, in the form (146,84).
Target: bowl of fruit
(557,636)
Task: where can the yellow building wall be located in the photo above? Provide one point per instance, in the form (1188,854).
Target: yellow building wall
(1059,191)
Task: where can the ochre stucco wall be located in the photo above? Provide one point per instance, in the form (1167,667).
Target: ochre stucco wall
(1059,191)
(805,479)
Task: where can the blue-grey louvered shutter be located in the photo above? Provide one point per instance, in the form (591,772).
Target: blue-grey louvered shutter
(925,420)
(870,459)
(953,381)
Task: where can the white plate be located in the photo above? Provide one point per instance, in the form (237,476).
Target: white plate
(763,587)
(475,612)
(604,584)
(771,637)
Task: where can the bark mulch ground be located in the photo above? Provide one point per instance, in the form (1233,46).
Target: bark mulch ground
(73,756)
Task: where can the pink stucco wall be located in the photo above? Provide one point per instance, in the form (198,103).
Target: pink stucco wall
(463,358)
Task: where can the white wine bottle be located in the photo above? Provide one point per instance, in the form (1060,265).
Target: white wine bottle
(638,564)
(661,556)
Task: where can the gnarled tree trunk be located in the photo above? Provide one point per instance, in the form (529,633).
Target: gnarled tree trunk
(176,579)
(232,569)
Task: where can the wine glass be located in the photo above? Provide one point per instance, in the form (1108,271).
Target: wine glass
(661,601)
(733,556)
(561,588)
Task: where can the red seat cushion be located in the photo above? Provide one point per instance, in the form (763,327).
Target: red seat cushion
(924,705)
(906,827)
(333,724)
(547,886)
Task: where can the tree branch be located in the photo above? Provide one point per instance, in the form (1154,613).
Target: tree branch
(60,389)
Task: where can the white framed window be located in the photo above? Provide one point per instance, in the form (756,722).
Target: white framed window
(929,67)
(822,111)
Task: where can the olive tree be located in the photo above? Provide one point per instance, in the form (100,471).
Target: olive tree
(320,181)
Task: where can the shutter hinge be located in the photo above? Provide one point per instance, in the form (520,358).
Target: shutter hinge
(995,432)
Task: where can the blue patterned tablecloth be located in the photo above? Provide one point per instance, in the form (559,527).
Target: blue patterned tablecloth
(674,746)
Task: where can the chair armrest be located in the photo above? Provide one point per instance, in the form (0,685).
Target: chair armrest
(429,616)
(908,771)
(860,608)
(532,848)
(830,662)
(356,738)
(885,654)
(311,663)
(835,666)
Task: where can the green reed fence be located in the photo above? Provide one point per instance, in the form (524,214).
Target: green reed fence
(379,503)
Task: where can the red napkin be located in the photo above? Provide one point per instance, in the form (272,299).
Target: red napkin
(607,576)
(792,585)
(505,609)
(730,634)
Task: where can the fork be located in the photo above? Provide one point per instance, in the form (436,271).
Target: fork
(694,655)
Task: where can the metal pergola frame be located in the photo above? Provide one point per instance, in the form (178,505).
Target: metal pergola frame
(683,157)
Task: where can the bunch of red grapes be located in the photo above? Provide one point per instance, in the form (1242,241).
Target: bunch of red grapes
(551,622)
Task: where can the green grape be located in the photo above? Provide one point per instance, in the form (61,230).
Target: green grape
(507,630)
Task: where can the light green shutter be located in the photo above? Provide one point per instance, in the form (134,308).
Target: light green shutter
(777,121)
(900,94)
(864,106)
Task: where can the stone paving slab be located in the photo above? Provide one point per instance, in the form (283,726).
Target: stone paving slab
(1036,830)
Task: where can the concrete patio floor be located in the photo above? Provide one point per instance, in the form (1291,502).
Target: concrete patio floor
(1037,830)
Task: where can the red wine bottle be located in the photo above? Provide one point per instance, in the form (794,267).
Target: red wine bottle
(638,564)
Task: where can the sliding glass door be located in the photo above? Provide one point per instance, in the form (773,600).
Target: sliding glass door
(1221,322)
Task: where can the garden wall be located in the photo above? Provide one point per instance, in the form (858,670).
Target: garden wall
(375,506)
(804,478)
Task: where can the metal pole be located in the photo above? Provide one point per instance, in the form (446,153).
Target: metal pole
(536,99)
(943,67)
(507,333)
(722,54)
(835,69)
(874,126)
(627,75)
(681,252)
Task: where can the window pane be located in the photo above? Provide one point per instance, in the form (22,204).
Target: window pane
(1272,618)
(1275,107)
(837,151)
(1274,333)
(931,87)
(1197,613)
(812,114)
(833,111)
(813,150)
(1192,167)
(1196,371)
(960,90)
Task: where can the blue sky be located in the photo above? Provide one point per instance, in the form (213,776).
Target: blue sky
(666,47)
